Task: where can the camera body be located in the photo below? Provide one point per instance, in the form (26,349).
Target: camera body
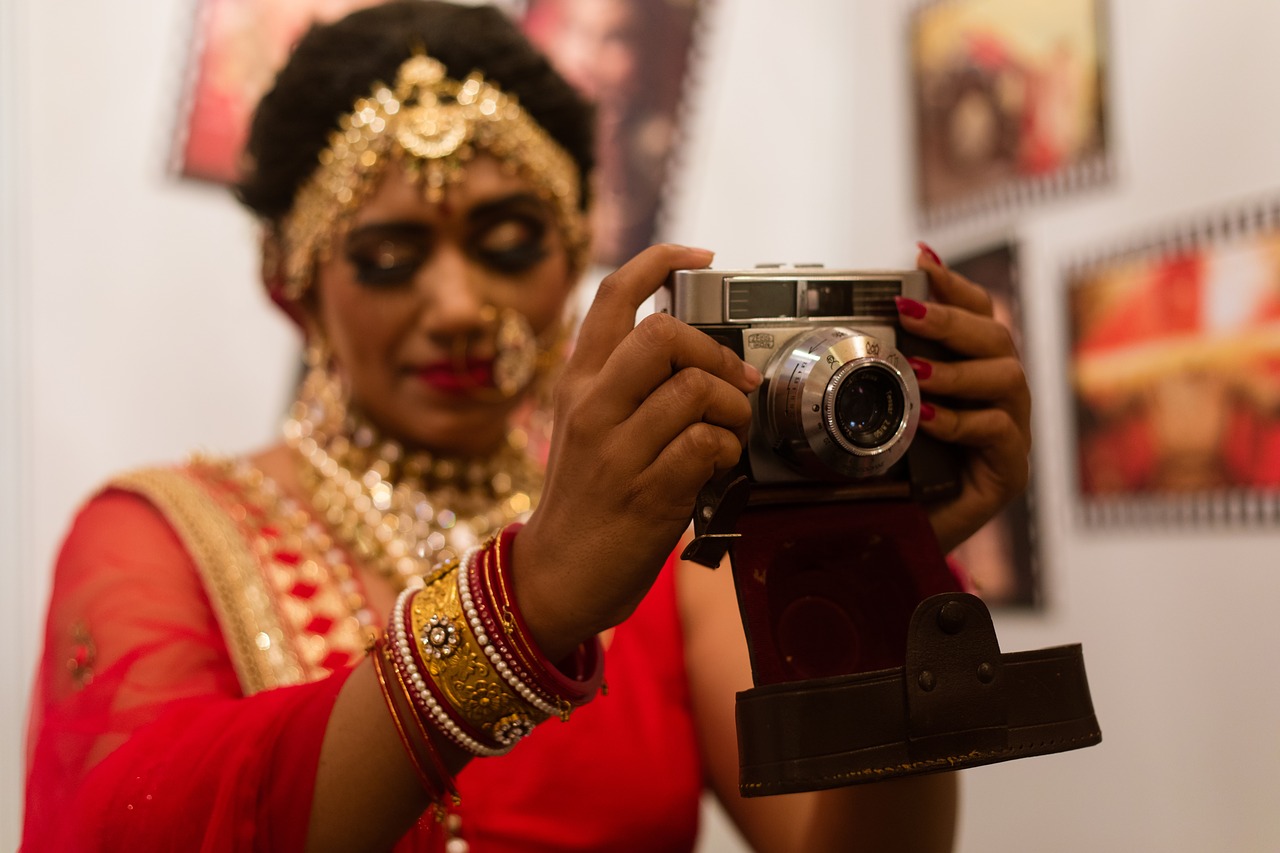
(839,405)
(868,661)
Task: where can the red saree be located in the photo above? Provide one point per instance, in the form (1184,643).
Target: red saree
(193,652)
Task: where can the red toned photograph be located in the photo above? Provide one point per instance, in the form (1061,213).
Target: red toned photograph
(1001,559)
(1175,367)
(238,45)
(1009,102)
(630,58)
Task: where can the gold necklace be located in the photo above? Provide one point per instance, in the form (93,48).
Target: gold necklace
(402,513)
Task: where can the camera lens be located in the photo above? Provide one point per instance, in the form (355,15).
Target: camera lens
(869,407)
(837,403)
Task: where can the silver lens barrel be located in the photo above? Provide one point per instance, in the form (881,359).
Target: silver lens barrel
(839,404)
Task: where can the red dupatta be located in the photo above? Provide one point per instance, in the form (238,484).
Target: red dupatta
(151,724)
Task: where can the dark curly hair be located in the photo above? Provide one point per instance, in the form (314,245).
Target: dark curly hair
(335,64)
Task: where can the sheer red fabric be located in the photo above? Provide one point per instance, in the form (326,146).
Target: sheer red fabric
(141,738)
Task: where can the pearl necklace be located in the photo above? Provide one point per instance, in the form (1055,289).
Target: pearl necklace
(403,513)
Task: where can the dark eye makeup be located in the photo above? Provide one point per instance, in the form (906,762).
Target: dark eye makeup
(388,254)
(508,235)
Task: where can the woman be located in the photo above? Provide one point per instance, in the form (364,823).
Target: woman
(205,682)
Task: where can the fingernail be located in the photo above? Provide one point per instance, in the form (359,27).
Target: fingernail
(909,307)
(927,411)
(922,369)
(929,253)
(753,375)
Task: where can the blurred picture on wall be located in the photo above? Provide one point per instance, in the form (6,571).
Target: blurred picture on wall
(237,47)
(1009,103)
(1002,559)
(630,58)
(1175,372)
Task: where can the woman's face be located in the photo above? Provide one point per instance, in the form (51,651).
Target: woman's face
(407,302)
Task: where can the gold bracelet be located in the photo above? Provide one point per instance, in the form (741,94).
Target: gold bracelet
(459,669)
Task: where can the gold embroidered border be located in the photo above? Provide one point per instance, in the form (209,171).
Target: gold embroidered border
(242,600)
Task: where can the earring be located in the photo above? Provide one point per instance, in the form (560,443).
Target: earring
(537,417)
(322,399)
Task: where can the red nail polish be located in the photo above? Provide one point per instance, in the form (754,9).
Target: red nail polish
(930,253)
(922,369)
(909,307)
(927,411)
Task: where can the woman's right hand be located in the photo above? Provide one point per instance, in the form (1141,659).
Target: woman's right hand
(644,415)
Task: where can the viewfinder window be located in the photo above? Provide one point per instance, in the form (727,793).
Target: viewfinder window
(829,299)
(756,299)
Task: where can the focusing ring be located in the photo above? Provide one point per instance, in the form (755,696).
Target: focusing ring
(800,399)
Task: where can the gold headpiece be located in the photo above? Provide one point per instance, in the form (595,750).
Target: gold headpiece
(439,123)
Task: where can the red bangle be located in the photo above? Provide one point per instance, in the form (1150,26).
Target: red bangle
(489,632)
(415,759)
(433,752)
(583,672)
(464,725)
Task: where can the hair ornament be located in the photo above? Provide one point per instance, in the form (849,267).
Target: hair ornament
(433,125)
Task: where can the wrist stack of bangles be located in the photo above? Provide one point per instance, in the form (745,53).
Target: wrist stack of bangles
(462,658)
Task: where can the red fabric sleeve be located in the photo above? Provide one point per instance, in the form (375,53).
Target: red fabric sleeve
(158,750)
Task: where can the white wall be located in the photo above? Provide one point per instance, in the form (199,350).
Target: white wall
(14,546)
(133,331)
(138,333)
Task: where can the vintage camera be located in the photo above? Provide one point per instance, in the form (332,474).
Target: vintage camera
(868,661)
(839,405)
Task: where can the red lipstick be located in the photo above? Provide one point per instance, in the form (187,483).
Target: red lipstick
(453,378)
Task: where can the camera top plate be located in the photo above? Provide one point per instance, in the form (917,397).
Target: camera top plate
(801,294)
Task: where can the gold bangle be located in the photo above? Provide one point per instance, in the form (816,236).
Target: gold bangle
(460,670)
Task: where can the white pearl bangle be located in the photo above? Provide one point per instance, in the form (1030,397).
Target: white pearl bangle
(400,647)
(525,692)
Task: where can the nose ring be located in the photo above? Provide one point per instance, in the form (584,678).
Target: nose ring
(515,351)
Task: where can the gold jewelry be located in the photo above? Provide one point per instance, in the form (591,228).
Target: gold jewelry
(322,389)
(515,352)
(400,513)
(433,125)
(460,669)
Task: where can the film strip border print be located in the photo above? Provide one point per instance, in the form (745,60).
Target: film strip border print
(1243,220)
(1020,193)
(1209,509)
(1236,508)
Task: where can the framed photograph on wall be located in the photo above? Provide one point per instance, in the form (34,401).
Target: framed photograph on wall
(1009,103)
(631,59)
(1175,374)
(237,47)
(1002,558)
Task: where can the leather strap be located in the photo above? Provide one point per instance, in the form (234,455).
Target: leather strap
(868,661)
(957,702)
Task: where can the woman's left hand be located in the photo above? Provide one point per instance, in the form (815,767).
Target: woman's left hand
(987,374)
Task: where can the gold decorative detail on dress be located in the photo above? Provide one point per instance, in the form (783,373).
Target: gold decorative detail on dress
(241,596)
(433,125)
(286,597)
